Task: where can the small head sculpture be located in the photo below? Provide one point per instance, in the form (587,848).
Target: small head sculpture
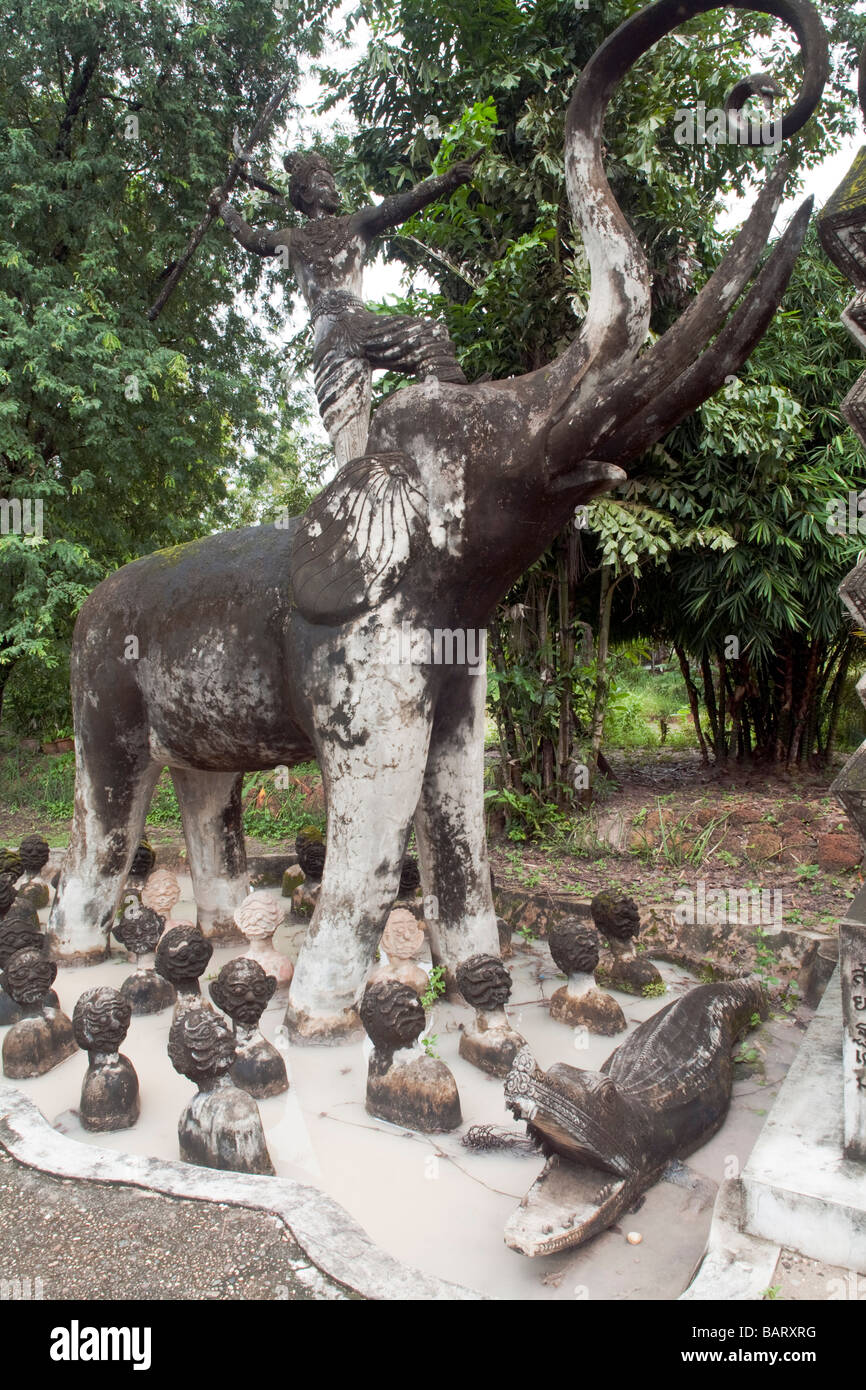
(7,893)
(616,916)
(182,956)
(484,983)
(34,853)
(410,875)
(160,892)
(28,976)
(10,863)
(100,1019)
(201,1047)
(312,187)
(243,990)
(574,946)
(18,935)
(143,860)
(403,936)
(23,914)
(139,929)
(392,1014)
(259,915)
(310,849)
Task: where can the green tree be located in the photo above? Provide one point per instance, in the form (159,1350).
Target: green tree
(766,460)
(116,120)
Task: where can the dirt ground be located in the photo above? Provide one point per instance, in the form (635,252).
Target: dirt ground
(672,822)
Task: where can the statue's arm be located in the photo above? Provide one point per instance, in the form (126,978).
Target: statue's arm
(394,210)
(261,241)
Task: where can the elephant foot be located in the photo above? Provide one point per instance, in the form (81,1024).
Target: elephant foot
(218,927)
(59,949)
(323,1030)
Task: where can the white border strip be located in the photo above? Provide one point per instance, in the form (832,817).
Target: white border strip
(329,1236)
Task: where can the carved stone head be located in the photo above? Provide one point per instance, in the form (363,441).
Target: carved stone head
(28,976)
(392,1014)
(182,956)
(140,928)
(403,936)
(100,1019)
(310,849)
(10,863)
(593,1121)
(143,860)
(616,916)
(312,188)
(259,915)
(7,893)
(18,936)
(34,852)
(484,982)
(243,990)
(23,914)
(201,1047)
(410,875)
(574,946)
(161,892)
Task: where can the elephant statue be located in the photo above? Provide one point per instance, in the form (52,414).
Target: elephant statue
(354,634)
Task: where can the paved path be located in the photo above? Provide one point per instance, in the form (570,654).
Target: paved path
(90,1241)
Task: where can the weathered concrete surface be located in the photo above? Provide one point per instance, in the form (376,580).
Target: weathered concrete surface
(799,1189)
(796,1190)
(737,1265)
(317,1227)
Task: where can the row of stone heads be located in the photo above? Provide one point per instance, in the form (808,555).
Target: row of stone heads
(404,1085)
(201,1045)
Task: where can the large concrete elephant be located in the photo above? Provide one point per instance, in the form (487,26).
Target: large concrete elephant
(271,645)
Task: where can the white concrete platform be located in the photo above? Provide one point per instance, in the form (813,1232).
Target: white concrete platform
(796,1190)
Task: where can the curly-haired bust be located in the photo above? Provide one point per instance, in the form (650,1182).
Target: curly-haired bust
(100,1019)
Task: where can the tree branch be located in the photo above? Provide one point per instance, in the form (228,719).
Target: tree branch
(235,171)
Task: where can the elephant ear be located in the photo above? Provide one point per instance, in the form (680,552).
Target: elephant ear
(356,539)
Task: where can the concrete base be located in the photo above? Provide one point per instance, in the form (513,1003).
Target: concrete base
(737,1266)
(322,1030)
(796,1190)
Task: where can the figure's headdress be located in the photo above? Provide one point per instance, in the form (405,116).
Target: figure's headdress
(300,166)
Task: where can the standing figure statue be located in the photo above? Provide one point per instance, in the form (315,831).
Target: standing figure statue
(327,256)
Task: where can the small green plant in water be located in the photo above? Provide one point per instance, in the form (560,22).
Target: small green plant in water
(653,989)
(429,1045)
(435,987)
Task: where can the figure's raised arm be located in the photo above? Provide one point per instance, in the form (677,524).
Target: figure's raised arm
(261,241)
(394,210)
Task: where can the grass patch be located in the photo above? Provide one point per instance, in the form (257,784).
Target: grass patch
(43,788)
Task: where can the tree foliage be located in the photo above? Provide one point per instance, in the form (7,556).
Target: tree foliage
(116,120)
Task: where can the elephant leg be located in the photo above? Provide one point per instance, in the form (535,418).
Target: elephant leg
(107,827)
(372,790)
(210,808)
(449,829)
